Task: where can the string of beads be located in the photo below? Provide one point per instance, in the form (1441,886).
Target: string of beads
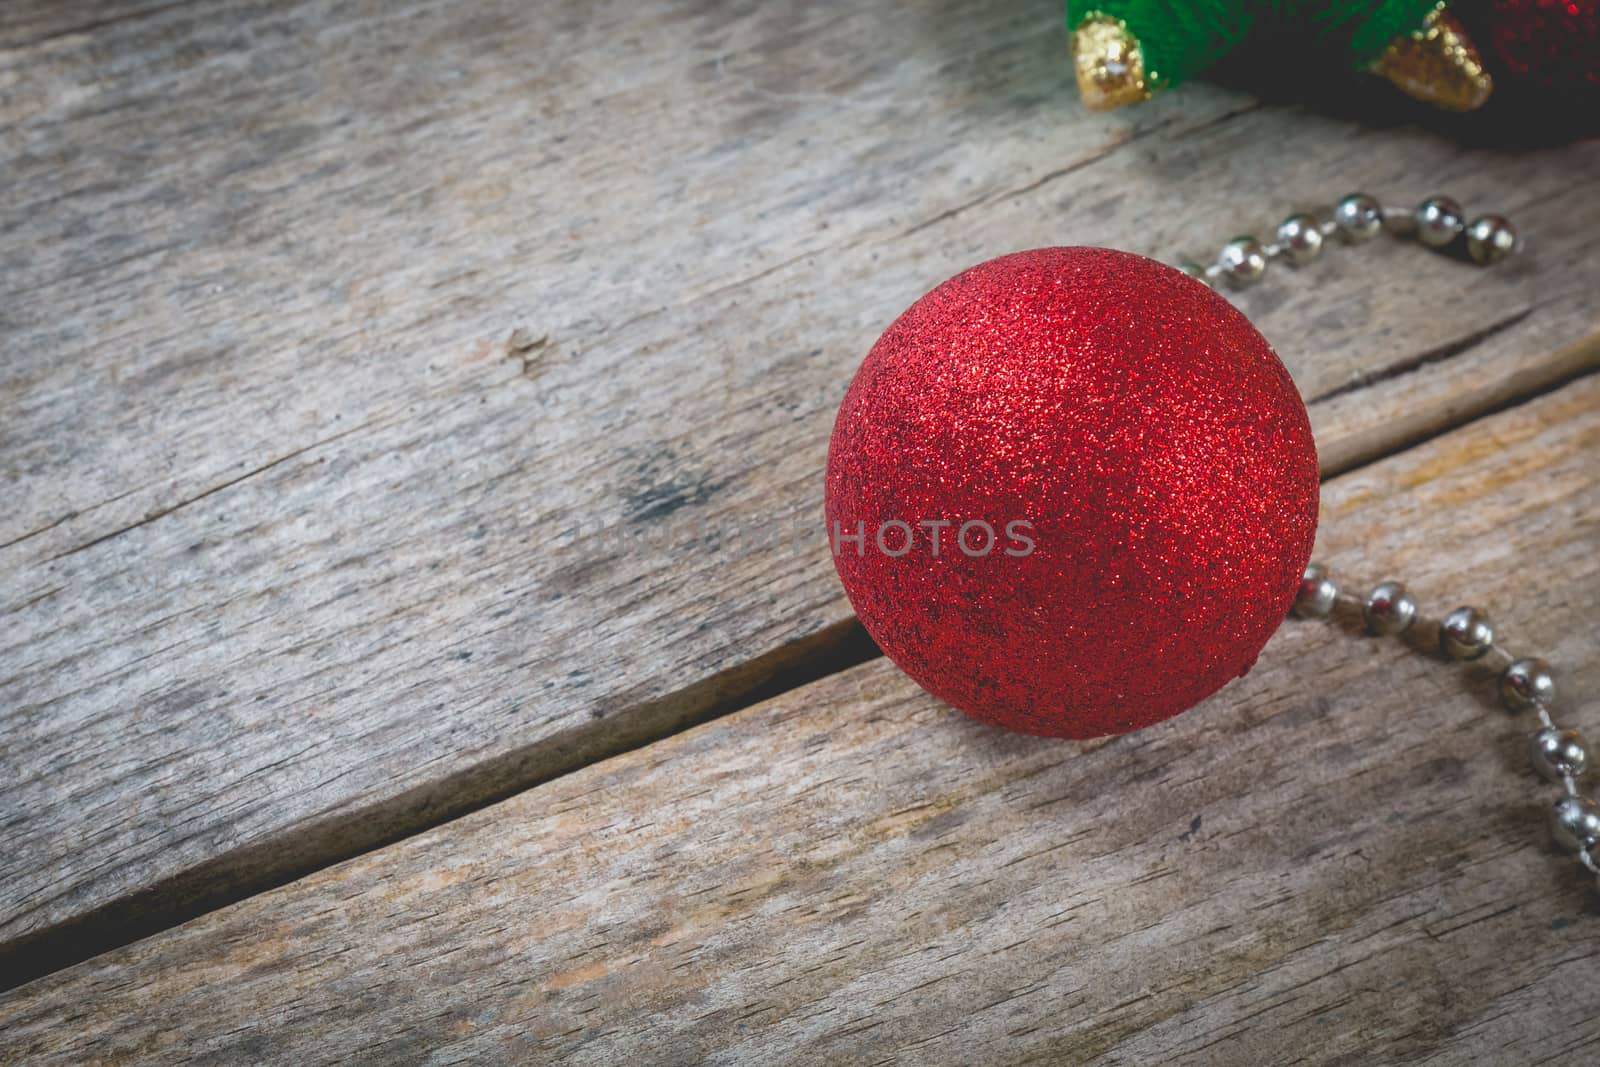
(1438,223)
(1525,683)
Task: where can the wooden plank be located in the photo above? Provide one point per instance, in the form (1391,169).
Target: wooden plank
(1340,858)
(337,335)
(29,23)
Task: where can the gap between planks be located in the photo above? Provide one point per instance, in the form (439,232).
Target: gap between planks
(343,835)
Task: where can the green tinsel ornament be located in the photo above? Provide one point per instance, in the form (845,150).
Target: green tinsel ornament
(1126,50)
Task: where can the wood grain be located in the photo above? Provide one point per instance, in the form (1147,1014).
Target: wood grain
(1341,858)
(399,400)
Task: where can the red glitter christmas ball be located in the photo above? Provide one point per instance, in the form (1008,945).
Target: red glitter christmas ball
(1552,45)
(1072,491)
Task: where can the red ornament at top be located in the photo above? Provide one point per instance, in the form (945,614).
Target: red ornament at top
(1072,492)
(1545,44)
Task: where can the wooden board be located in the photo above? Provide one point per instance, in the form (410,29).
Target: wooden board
(1341,858)
(384,384)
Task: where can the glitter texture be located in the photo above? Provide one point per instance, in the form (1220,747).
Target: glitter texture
(1437,64)
(1108,63)
(1552,45)
(1152,439)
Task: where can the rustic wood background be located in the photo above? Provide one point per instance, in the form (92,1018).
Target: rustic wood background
(412,417)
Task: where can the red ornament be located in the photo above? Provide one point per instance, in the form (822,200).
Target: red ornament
(1549,45)
(1072,492)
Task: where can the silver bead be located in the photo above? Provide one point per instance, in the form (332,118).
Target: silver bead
(1243,261)
(1491,239)
(1576,821)
(1316,595)
(1389,609)
(1465,634)
(1438,221)
(1300,236)
(1195,271)
(1527,682)
(1559,753)
(1359,217)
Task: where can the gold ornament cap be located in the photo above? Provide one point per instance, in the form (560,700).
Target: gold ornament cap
(1437,64)
(1109,63)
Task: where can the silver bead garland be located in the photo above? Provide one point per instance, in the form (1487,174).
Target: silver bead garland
(1559,755)
(1437,223)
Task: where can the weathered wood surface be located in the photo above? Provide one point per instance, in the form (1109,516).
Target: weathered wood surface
(1341,858)
(326,323)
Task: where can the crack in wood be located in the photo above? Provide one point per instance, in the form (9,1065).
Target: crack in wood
(100,24)
(343,834)
(1427,357)
(1106,152)
(1573,363)
(195,498)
